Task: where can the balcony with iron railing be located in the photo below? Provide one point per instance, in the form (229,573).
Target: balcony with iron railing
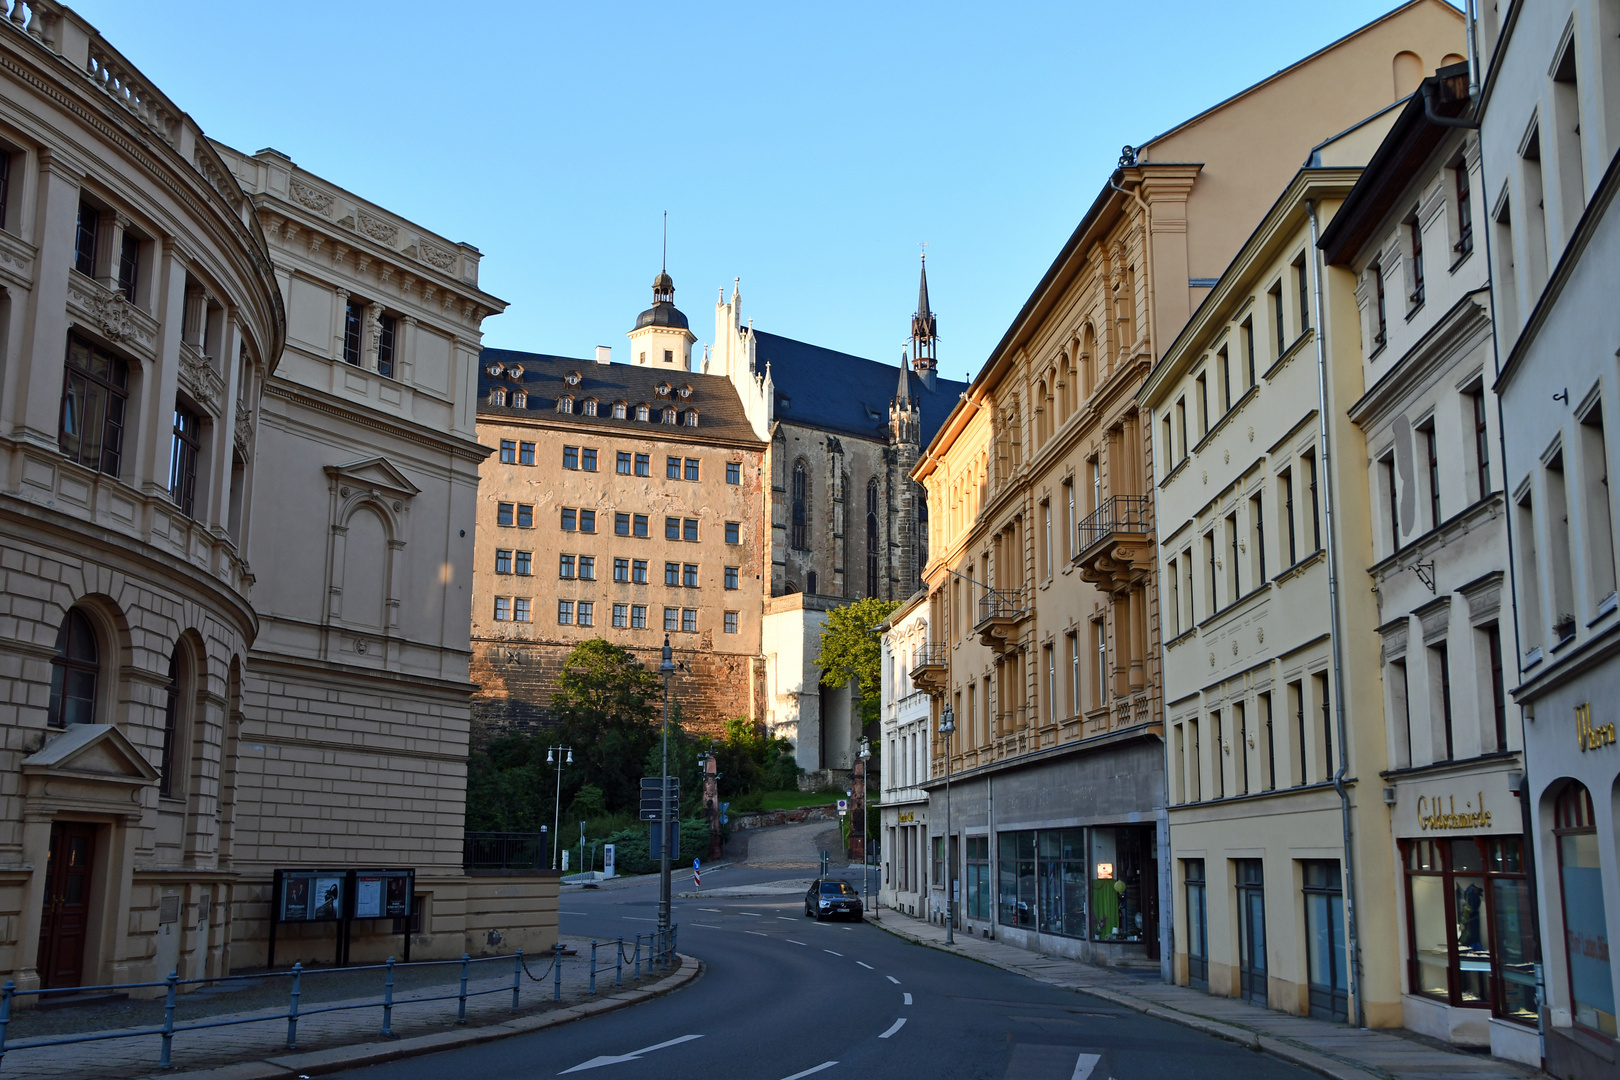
(1114,545)
(930,667)
(1000,613)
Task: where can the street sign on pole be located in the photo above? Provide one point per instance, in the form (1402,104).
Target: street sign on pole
(652,801)
(671,829)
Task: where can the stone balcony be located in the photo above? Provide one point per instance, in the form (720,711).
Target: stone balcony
(1001,612)
(930,668)
(1114,546)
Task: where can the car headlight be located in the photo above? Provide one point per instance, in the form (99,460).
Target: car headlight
(825,903)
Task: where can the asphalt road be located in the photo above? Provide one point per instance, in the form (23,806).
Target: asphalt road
(785,997)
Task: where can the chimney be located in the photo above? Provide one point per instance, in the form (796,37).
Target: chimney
(604,354)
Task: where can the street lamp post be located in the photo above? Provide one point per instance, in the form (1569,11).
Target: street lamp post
(555,756)
(866,788)
(947,724)
(666,668)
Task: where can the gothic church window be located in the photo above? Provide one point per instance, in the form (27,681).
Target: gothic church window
(871,538)
(801,506)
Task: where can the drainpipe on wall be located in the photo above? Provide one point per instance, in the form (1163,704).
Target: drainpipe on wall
(1352,929)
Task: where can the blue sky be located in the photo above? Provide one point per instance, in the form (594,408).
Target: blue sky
(808,148)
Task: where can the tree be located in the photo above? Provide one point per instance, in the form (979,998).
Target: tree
(851,652)
(608,708)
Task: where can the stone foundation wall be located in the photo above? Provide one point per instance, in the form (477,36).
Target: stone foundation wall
(516,681)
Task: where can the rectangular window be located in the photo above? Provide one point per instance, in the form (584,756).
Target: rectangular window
(520,609)
(621,570)
(5,185)
(672,528)
(1482,442)
(503,561)
(731,577)
(508,451)
(1218,766)
(1493,659)
(587,616)
(1240,748)
(689,575)
(1203,404)
(1440,687)
(1046,538)
(1465,210)
(84,244)
(565,566)
(1392,502)
(587,521)
(1074,673)
(1270,761)
(1285,485)
(521,563)
(1099,644)
(503,608)
(526,453)
(570,457)
(1599,508)
(1248,346)
(129,263)
(587,567)
(672,468)
(621,524)
(587,459)
(638,571)
(1234,577)
(639,522)
(525,515)
(1531,617)
(1069,523)
(691,468)
(1223,367)
(733,532)
(1380,319)
(672,618)
(1296,702)
(621,616)
(1309,461)
(1257,538)
(638,616)
(387,332)
(733,472)
(570,519)
(1319,684)
(689,531)
(503,513)
(643,465)
(565,612)
(1432,445)
(731,622)
(183,459)
(1212,599)
(1302,283)
(1414,241)
(672,574)
(622,463)
(689,620)
(95,391)
(1276,295)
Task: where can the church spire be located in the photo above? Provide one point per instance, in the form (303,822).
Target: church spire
(924,331)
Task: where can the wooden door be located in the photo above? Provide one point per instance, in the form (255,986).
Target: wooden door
(66,919)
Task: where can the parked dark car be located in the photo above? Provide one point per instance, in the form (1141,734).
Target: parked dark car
(830,898)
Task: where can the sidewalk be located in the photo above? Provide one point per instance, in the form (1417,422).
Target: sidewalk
(333,1040)
(1333,1050)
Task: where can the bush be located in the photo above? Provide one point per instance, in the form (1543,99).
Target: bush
(631,847)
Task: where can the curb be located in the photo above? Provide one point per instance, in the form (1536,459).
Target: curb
(337,1058)
(1318,1063)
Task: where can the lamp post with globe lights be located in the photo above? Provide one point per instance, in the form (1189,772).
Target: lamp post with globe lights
(947,725)
(666,668)
(558,756)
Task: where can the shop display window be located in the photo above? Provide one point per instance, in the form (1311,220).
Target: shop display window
(978,877)
(1586,936)
(1119,859)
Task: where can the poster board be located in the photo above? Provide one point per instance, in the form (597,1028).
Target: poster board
(303,896)
(300,895)
(383,894)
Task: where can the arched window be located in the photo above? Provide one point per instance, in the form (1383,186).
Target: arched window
(669,416)
(1043,413)
(565,404)
(1580,880)
(75,672)
(171,726)
(1088,361)
(497,396)
(872,537)
(641,412)
(590,406)
(520,399)
(619,409)
(801,506)
(691,418)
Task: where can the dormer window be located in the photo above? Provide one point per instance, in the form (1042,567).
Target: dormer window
(641,412)
(590,406)
(619,409)
(494,370)
(520,399)
(565,404)
(497,396)
(515,371)
(662,389)
(686,391)
(669,416)
(691,418)
(572,378)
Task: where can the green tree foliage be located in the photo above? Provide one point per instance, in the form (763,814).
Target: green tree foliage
(608,708)
(851,651)
(750,761)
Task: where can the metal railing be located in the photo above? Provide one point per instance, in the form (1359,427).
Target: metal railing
(657,952)
(1001,604)
(1117,514)
(492,852)
(933,654)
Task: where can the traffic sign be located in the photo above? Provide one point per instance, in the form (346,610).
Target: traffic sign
(843,807)
(652,800)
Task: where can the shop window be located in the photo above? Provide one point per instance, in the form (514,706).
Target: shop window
(1471,937)
(1580,881)
(1197,924)
(1326,974)
(1123,862)
(1016,872)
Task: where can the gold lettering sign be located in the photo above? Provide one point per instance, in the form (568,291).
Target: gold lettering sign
(1591,736)
(1442,813)
(907,817)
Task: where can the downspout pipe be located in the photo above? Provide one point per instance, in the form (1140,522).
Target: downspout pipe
(1351,914)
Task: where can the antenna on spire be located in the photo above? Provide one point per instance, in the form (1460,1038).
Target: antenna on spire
(664,262)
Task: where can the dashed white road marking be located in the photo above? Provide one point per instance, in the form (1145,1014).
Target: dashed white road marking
(896,1026)
(751,914)
(811,1072)
(756,933)
(892,979)
(834,953)
(1083,1066)
(784,918)
(713,909)
(865,965)
(908,999)
(790,941)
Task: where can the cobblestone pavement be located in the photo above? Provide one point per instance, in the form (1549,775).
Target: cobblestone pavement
(786,847)
(1333,1050)
(326,1018)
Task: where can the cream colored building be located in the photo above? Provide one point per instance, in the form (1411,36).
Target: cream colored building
(907,732)
(1043,580)
(218,669)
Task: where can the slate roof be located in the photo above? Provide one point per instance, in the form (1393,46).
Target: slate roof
(720,412)
(849,395)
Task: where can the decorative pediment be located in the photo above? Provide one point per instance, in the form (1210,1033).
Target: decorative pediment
(92,751)
(373,473)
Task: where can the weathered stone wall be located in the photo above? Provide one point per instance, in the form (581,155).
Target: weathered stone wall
(517,681)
